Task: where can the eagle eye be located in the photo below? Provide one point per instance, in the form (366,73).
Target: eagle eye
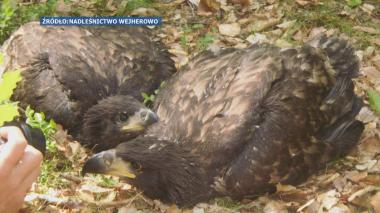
(136,166)
(123,116)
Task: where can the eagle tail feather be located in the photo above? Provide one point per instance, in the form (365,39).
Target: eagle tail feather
(341,55)
(344,133)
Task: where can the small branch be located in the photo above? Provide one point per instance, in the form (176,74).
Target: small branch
(362,192)
(71,178)
(59,202)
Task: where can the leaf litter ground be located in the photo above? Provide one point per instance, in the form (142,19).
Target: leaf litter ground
(351,184)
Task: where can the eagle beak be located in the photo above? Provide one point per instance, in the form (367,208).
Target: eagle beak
(108,163)
(139,121)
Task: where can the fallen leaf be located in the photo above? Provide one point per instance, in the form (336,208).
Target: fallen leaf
(241,2)
(369,30)
(307,204)
(257,38)
(340,208)
(340,183)
(198,210)
(361,192)
(302,2)
(316,31)
(142,11)
(181,57)
(329,199)
(275,207)
(375,202)
(230,29)
(369,51)
(286,24)
(370,147)
(356,176)
(284,188)
(376,61)
(283,43)
(208,6)
(125,209)
(366,165)
(368,8)
(263,25)
(376,41)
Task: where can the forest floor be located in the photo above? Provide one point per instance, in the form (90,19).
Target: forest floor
(351,184)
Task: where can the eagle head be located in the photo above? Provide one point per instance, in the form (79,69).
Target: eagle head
(161,169)
(114,120)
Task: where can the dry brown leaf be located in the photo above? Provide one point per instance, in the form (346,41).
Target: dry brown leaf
(241,2)
(340,208)
(315,31)
(265,24)
(376,41)
(369,30)
(180,56)
(198,210)
(370,147)
(286,24)
(368,8)
(356,176)
(376,61)
(284,188)
(339,183)
(302,2)
(126,209)
(142,11)
(230,29)
(375,202)
(257,38)
(275,207)
(208,6)
(307,204)
(361,192)
(328,200)
(366,165)
(283,43)
(298,36)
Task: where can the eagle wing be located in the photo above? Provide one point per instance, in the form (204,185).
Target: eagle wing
(263,114)
(77,67)
(214,100)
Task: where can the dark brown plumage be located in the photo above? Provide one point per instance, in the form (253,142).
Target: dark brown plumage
(238,122)
(76,74)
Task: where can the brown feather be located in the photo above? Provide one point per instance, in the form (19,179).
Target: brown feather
(67,70)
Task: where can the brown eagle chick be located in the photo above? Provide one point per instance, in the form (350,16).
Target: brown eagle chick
(89,80)
(238,122)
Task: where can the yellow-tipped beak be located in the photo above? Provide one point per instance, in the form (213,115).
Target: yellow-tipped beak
(108,163)
(132,128)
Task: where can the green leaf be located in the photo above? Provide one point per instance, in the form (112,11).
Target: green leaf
(8,84)
(8,112)
(354,3)
(52,124)
(144,95)
(1,58)
(374,100)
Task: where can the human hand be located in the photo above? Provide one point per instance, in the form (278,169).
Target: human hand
(19,167)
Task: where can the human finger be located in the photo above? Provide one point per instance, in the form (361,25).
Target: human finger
(13,150)
(30,161)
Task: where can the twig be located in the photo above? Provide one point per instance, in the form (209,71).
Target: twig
(59,202)
(308,203)
(116,203)
(362,192)
(71,178)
